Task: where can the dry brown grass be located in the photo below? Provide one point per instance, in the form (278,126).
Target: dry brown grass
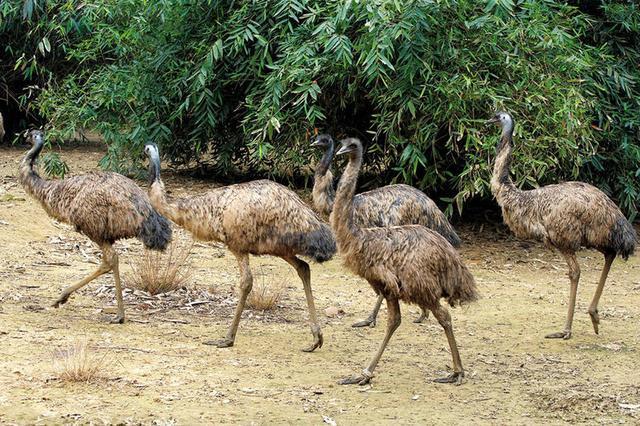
(77,364)
(265,297)
(160,272)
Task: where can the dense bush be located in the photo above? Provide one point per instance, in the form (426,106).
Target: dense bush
(241,84)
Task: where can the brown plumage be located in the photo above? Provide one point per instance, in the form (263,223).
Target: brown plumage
(259,217)
(391,205)
(105,207)
(410,263)
(564,216)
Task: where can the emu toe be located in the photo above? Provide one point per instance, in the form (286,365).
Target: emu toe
(61,300)
(455,378)
(360,379)
(369,322)
(119,319)
(595,320)
(317,342)
(566,335)
(223,343)
(423,316)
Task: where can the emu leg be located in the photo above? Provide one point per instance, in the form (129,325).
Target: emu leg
(393,322)
(423,316)
(593,308)
(442,315)
(371,319)
(304,273)
(574,277)
(246,283)
(104,267)
(119,319)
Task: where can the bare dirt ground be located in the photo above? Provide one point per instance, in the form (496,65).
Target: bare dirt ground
(156,369)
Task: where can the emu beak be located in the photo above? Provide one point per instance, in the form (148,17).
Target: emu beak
(315,143)
(343,150)
(491,121)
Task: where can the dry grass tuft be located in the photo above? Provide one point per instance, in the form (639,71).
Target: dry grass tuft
(264,297)
(161,272)
(77,364)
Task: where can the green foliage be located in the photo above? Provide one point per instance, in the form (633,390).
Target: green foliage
(53,165)
(243,83)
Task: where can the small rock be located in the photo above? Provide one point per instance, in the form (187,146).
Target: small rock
(333,311)
(328,420)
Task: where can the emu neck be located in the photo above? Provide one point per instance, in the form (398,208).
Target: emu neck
(325,162)
(342,217)
(501,181)
(29,177)
(157,194)
(323,192)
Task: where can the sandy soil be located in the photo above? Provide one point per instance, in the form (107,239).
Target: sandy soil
(156,369)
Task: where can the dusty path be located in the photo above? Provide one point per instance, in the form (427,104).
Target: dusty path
(157,369)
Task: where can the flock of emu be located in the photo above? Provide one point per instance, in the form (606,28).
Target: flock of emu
(395,237)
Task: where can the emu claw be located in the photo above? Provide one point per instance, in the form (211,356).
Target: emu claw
(566,335)
(595,320)
(423,316)
(318,341)
(61,300)
(369,322)
(223,343)
(361,379)
(455,378)
(117,320)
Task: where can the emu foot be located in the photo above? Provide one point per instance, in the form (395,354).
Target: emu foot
(595,319)
(64,297)
(222,343)
(455,378)
(369,322)
(423,316)
(566,335)
(360,379)
(318,340)
(119,319)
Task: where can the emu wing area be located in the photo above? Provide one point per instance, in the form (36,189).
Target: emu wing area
(411,263)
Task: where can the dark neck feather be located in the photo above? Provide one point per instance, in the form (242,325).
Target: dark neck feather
(29,177)
(501,181)
(325,162)
(342,217)
(154,169)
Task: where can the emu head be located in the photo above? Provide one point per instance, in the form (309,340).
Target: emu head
(350,146)
(322,141)
(502,119)
(35,137)
(151,150)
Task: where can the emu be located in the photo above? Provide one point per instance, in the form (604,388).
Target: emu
(387,206)
(258,217)
(104,206)
(564,216)
(411,263)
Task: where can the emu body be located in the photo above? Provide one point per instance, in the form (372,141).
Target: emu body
(105,207)
(565,216)
(411,263)
(259,217)
(391,205)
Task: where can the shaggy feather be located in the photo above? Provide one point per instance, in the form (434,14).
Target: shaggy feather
(566,216)
(104,206)
(387,206)
(411,262)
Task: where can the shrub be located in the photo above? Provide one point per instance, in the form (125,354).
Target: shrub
(161,272)
(76,363)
